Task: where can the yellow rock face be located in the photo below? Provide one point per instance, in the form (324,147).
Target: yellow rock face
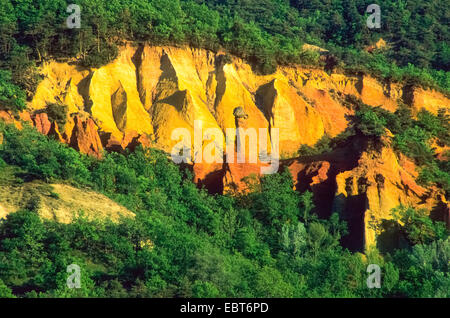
(3,212)
(377,185)
(153,90)
(60,85)
(429,99)
(116,105)
(291,114)
(178,92)
(375,94)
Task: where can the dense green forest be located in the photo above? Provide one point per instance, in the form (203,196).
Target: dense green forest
(185,242)
(264,32)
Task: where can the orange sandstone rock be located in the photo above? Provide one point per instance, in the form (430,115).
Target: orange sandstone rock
(42,123)
(428,99)
(154,90)
(150,90)
(6,117)
(210,175)
(376,94)
(368,193)
(85,137)
(140,140)
(26,117)
(54,131)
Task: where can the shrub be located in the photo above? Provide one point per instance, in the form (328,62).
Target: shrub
(417,226)
(57,113)
(5,292)
(438,173)
(41,157)
(96,59)
(423,270)
(12,97)
(414,142)
(323,145)
(368,122)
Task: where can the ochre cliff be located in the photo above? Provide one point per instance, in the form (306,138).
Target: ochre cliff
(152,90)
(363,182)
(149,91)
(380,182)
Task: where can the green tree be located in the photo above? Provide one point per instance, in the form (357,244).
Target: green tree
(5,292)
(417,226)
(11,96)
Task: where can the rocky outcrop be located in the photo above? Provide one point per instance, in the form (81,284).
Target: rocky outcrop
(374,93)
(130,140)
(85,138)
(229,176)
(287,110)
(42,123)
(148,91)
(428,99)
(152,90)
(364,189)
(6,116)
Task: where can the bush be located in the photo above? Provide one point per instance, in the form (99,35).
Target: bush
(414,142)
(369,123)
(57,113)
(323,145)
(438,173)
(41,157)
(417,227)
(12,97)
(5,292)
(266,33)
(423,270)
(96,59)
(183,242)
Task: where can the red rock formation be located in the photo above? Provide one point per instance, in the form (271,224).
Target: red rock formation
(85,138)
(6,116)
(42,123)
(171,87)
(9,118)
(210,176)
(110,142)
(128,138)
(130,141)
(26,117)
(142,140)
(229,176)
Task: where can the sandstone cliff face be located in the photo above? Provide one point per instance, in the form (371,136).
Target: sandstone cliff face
(148,91)
(363,187)
(85,138)
(153,90)
(380,182)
